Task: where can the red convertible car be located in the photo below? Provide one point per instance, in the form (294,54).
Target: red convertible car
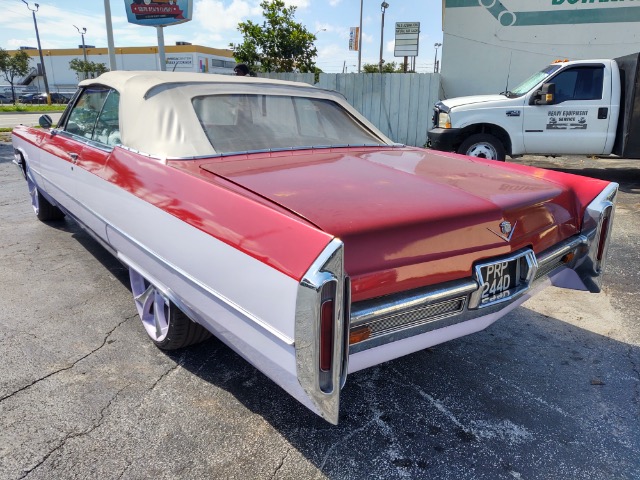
(274,216)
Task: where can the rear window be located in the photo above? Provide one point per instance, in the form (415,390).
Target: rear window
(238,123)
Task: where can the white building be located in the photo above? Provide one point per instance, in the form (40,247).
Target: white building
(490,45)
(181,58)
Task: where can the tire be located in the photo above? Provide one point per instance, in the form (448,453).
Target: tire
(167,326)
(44,210)
(483,145)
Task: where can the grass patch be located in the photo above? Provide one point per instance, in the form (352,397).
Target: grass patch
(20,107)
(4,130)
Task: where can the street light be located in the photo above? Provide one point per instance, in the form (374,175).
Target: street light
(44,72)
(435,60)
(384,6)
(84,47)
(321,30)
(360,39)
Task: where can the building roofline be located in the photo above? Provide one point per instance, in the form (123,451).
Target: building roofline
(55,52)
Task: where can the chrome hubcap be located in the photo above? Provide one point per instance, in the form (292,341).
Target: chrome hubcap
(482,150)
(153,307)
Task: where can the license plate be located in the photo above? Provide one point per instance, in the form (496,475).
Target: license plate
(504,278)
(500,281)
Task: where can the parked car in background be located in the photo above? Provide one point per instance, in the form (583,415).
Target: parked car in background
(276,217)
(41,98)
(5,99)
(26,97)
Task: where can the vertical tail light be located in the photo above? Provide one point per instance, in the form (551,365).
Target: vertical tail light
(602,242)
(603,239)
(326,335)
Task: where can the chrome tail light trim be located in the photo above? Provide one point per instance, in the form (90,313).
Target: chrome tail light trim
(322,387)
(596,229)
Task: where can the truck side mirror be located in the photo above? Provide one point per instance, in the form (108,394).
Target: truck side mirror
(546,95)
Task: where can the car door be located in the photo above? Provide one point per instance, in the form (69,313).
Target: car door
(81,146)
(578,119)
(92,159)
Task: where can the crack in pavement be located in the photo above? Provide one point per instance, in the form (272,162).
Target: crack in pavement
(275,472)
(73,435)
(129,463)
(104,342)
(178,364)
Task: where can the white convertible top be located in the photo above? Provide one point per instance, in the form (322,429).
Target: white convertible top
(157,116)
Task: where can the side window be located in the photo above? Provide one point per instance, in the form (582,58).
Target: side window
(84,115)
(580,83)
(107,129)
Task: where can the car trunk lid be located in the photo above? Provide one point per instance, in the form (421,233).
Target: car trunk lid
(409,218)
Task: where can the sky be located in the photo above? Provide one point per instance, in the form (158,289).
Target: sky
(215,24)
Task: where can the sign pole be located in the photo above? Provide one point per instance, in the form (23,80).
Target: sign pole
(360,39)
(111,48)
(163,60)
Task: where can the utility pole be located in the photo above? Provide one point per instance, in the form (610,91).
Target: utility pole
(435,60)
(84,47)
(112,50)
(360,39)
(44,72)
(384,6)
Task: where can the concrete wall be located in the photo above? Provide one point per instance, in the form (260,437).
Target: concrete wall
(489,44)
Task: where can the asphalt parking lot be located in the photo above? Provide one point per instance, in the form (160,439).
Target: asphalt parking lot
(551,391)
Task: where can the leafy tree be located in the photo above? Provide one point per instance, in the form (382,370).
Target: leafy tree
(13,67)
(86,69)
(390,67)
(279,45)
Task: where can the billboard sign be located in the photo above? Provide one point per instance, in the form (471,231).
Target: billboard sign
(407,37)
(158,13)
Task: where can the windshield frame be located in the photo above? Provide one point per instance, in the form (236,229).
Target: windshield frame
(534,80)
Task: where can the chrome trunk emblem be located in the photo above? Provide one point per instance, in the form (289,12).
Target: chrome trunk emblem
(506,229)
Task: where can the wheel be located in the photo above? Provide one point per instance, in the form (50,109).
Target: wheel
(165,324)
(483,145)
(41,206)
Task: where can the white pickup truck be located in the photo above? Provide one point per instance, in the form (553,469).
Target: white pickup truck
(569,107)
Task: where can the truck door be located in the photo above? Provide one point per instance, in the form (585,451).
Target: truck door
(578,119)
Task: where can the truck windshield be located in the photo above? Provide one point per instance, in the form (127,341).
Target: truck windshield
(532,81)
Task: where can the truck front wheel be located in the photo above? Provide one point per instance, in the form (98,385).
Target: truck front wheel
(483,145)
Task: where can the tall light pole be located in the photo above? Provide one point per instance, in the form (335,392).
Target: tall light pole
(111,48)
(44,72)
(383,6)
(360,39)
(84,47)
(435,60)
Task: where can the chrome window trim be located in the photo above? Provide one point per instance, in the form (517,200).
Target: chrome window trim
(251,152)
